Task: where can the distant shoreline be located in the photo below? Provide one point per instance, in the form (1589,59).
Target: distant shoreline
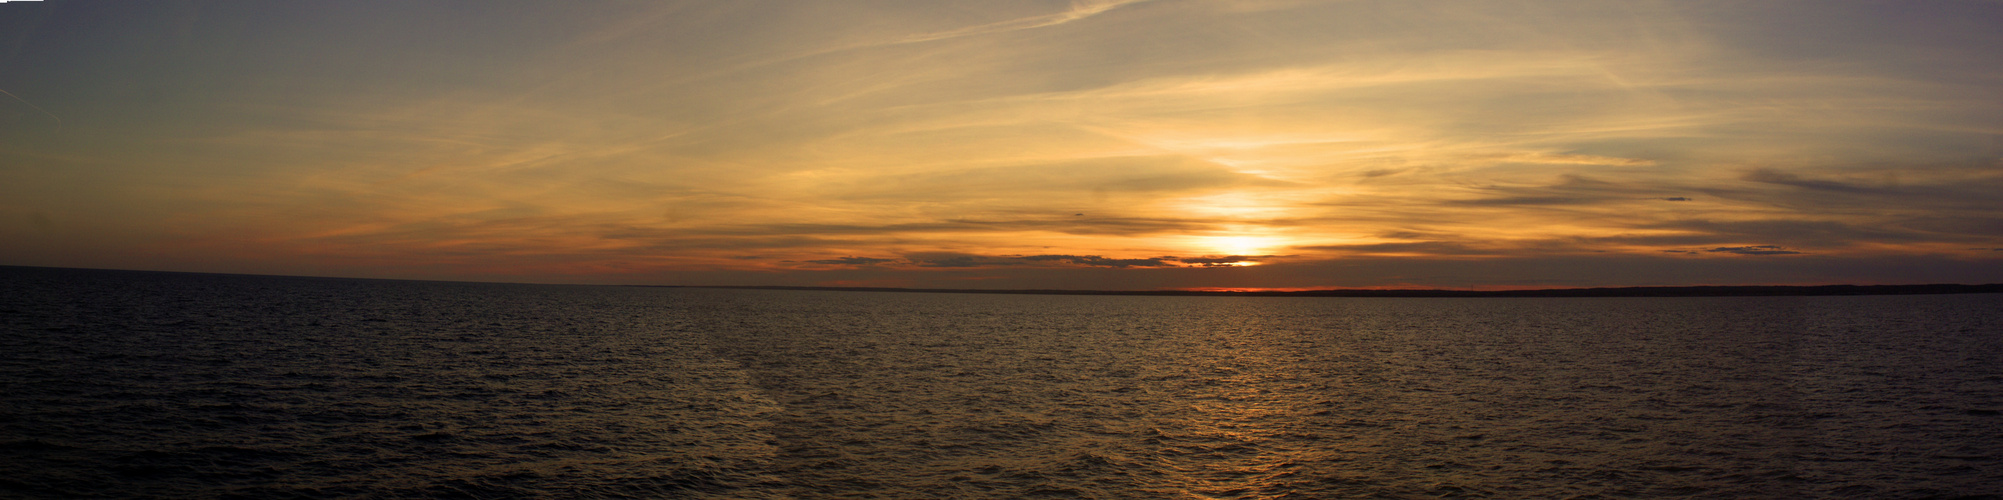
(1642,291)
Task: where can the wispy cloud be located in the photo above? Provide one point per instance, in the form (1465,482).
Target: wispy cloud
(966,260)
(852,261)
(1786,179)
(1097,261)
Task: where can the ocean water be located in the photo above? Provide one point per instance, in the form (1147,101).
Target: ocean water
(132,384)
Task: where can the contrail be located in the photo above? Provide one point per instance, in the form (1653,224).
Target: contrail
(1079,10)
(59,120)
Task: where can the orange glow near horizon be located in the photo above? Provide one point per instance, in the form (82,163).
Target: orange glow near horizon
(1103,144)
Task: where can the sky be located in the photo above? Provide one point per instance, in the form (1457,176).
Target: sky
(1086,144)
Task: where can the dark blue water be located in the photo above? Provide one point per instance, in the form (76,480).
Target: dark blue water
(129,384)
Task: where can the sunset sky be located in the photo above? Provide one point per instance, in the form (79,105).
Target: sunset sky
(1136,144)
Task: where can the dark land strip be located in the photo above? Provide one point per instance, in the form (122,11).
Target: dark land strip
(1640,291)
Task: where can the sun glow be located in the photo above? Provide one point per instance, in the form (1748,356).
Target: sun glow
(1241,244)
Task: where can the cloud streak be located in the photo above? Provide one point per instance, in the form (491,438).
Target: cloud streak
(961,260)
(1754,250)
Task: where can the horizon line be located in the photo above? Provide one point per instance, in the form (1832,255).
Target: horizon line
(1600,291)
(1627,291)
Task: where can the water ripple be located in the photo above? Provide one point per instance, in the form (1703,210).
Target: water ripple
(121,384)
